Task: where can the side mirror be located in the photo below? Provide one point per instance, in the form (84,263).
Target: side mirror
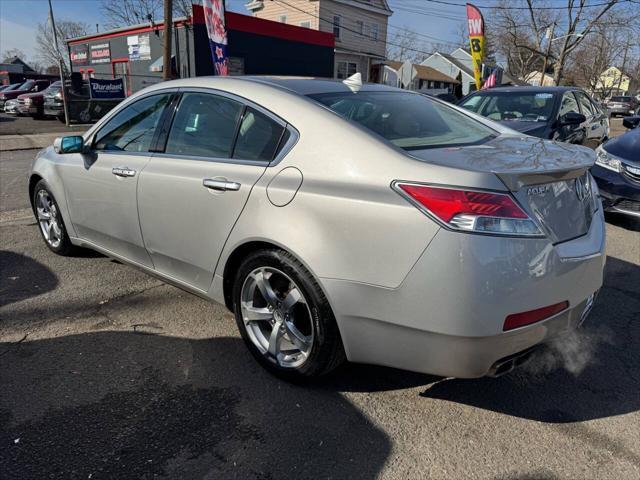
(631,122)
(572,118)
(72,144)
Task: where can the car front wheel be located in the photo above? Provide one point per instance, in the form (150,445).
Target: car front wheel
(284,317)
(50,220)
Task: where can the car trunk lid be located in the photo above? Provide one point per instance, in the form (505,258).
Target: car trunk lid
(549,180)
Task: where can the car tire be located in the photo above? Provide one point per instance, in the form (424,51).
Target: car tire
(49,220)
(309,342)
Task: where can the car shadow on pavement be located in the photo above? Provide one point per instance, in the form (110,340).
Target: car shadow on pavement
(623,221)
(22,277)
(138,405)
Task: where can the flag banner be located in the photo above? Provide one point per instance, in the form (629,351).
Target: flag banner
(491,80)
(476,40)
(217,33)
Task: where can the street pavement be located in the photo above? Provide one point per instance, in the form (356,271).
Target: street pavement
(106,372)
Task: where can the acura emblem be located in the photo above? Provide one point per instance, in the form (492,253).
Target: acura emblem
(582,188)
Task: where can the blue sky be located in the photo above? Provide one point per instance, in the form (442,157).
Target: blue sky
(19,18)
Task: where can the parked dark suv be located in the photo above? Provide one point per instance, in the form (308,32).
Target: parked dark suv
(566,114)
(622,105)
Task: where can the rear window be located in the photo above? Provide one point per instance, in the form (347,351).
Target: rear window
(408,120)
(620,99)
(514,106)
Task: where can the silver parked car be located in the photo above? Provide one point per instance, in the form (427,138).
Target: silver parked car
(337,220)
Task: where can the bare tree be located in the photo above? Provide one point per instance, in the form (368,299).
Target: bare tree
(133,12)
(523,34)
(404,44)
(47,50)
(12,53)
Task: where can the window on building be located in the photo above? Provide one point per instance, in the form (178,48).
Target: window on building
(346,69)
(132,129)
(204,126)
(375,32)
(360,27)
(337,23)
(305,24)
(258,137)
(282,19)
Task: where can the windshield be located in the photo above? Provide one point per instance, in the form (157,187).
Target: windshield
(514,106)
(407,120)
(52,89)
(26,85)
(13,86)
(620,99)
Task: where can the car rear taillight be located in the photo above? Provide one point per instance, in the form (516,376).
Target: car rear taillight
(470,210)
(517,320)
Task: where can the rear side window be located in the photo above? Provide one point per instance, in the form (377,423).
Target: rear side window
(132,128)
(204,126)
(258,137)
(408,120)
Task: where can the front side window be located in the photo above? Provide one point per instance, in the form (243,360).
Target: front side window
(132,128)
(523,107)
(585,103)
(568,105)
(204,126)
(408,120)
(258,137)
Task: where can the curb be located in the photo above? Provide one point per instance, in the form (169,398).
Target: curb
(27,142)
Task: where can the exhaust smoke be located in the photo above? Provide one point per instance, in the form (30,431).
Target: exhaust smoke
(573,351)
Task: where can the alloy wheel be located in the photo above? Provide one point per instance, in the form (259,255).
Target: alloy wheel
(48,219)
(277,317)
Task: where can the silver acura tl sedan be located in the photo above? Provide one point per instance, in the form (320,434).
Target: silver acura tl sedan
(337,220)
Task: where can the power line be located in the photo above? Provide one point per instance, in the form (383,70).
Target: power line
(387,42)
(501,7)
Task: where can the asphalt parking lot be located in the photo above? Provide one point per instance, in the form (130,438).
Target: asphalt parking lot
(108,373)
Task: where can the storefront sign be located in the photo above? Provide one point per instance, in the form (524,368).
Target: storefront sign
(79,54)
(139,47)
(106,89)
(100,53)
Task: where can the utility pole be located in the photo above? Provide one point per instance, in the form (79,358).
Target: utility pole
(168,27)
(546,55)
(624,66)
(60,64)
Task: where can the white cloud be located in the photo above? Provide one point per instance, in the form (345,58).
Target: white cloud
(14,35)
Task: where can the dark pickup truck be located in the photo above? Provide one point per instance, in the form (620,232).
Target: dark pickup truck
(29,86)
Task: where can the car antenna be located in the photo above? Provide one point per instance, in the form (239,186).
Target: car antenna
(354,82)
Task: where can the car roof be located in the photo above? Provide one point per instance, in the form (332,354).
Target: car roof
(528,90)
(298,85)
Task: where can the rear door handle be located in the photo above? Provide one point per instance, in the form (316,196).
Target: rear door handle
(123,172)
(220,185)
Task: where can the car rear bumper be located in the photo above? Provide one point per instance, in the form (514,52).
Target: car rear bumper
(620,110)
(447,316)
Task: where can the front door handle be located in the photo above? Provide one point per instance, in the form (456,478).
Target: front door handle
(220,185)
(123,172)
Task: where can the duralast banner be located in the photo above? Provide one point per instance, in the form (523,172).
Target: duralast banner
(106,89)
